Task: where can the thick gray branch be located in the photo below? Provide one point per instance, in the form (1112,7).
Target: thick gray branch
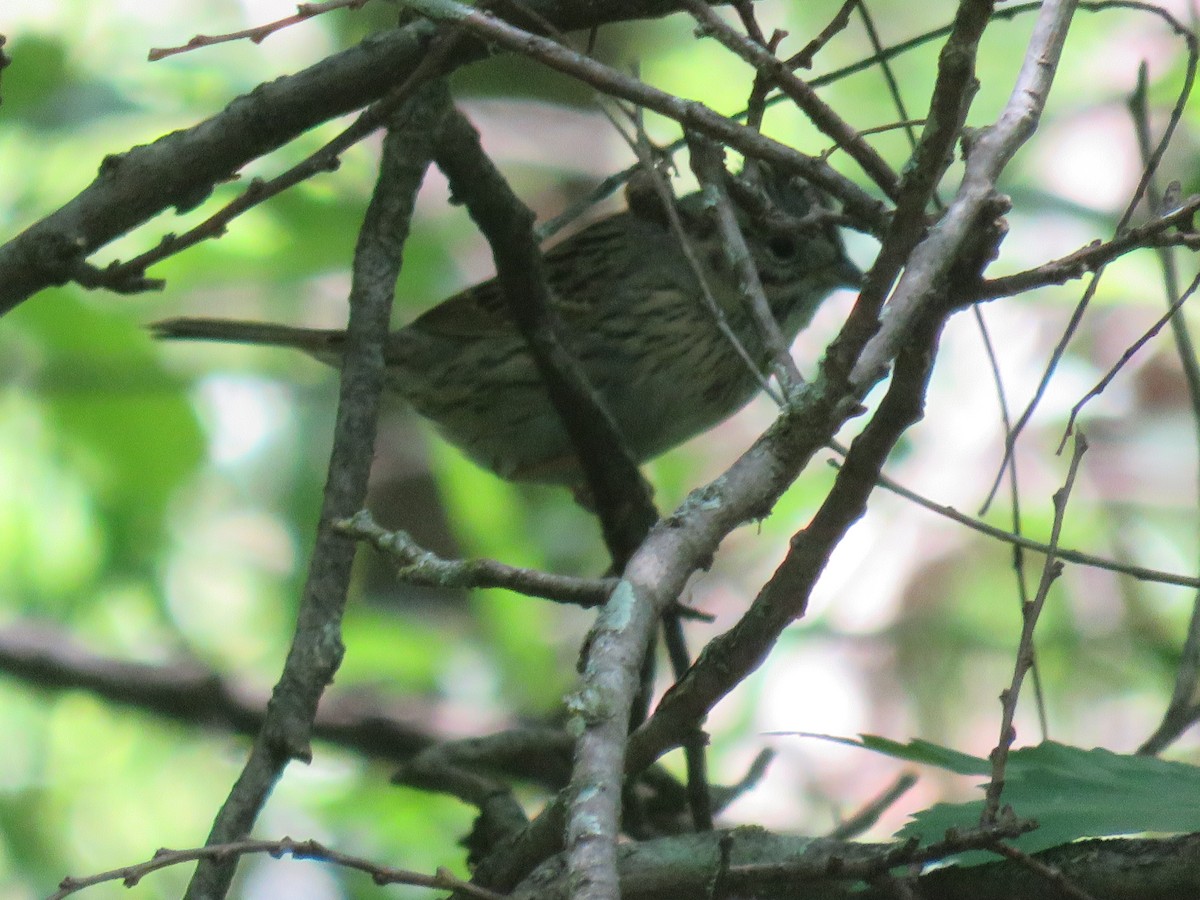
(180,169)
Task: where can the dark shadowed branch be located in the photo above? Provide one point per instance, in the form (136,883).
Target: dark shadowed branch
(316,650)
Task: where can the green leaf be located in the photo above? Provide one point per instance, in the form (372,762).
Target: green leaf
(917,751)
(1072,793)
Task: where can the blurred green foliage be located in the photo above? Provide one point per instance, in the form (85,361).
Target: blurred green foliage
(157,503)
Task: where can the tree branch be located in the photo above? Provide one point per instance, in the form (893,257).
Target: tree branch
(729,658)
(688,113)
(317,649)
(420,566)
(820,113)
(621,495)
(181,169)
(991,150)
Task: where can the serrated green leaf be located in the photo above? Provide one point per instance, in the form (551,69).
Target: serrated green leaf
(1075,793)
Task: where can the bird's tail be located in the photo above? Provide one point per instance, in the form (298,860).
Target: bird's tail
(318,341)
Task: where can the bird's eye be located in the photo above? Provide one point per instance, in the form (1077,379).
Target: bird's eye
(782,246)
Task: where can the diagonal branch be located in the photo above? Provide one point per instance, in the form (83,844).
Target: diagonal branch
(731,657)
(932,262)
(692,115)
(952,95)
(820,113)
(622,631)
(621,495)
(181,169)
(317,649)
(1030,614)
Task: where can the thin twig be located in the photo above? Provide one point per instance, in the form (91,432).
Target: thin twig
(1024,658)
(756,103)
(689,113)
(1054,876)
(707,161)
(640,144)
(233,850)
(1180,711)
(1148,172)
(317,649)
(820,113)
(259,33)
(1127,355)
(130,276)
(1170,228)
(865,818)
(885,69)
(1014,494)
(1154,576)
(420,566)
(695,744)
(837,24)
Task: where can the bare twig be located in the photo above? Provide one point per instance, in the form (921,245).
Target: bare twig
(420,566)
(885,69)
(1180,711)
(380,874)
(1014,493)
(620,494)
(1148,171)
(815,109)
(866,817)
(692,115)
(640,144)
(837,24)
(1127,355)
(1024,659)
(1054,876)
(1169,228)
(1020,541)
(756,104)
(130,276)
(708,163)
(259,33)
(316,650)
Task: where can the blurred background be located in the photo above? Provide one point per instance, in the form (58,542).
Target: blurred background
(157,502)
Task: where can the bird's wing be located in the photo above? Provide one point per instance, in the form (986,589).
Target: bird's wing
(580,272)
